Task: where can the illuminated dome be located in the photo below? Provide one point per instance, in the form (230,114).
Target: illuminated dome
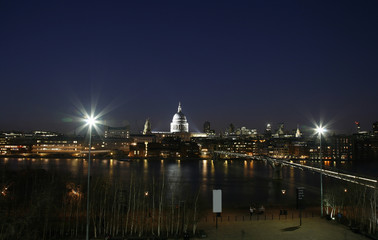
(179,123)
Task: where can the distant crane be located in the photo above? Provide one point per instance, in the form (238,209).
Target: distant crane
(358,126)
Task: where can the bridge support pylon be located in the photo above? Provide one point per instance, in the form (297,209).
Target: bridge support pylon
(277,170)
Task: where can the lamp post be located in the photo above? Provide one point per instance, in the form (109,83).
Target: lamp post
(320,130)
(90,120)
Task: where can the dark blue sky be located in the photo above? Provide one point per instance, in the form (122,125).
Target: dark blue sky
(241,62)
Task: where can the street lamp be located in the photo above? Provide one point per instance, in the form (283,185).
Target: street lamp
(321,130)
(90,121)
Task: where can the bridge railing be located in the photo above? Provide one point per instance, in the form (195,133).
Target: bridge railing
(277,214)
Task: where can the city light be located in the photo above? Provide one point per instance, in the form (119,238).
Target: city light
(320,130)
(4,191)
(90,120)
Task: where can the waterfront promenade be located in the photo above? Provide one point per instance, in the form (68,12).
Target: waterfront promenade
(312,228)
(239,226)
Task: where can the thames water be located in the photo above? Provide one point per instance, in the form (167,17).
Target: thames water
(243,182)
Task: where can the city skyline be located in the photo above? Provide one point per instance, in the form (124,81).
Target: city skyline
(80,124)
(246,63)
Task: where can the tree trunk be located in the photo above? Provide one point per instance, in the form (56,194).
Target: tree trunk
(195,219)
(153,207)
(129,205)
(172,215)
(133,214)
(178,219)
(114,210)
(160,208)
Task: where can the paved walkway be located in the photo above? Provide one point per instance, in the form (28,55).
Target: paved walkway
(312,228)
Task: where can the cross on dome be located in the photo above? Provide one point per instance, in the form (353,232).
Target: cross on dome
(179,107)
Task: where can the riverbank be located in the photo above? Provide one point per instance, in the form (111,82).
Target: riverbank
(121,157)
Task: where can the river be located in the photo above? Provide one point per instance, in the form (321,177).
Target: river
(243,182)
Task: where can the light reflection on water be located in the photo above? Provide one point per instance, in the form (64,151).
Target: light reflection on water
(212,168)
(204,170)
(205,177)
(243,182)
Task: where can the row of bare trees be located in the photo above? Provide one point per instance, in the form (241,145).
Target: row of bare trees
(357,204)
(44,205)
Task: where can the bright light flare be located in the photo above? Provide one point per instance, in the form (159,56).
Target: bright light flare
(91,120)
(320,130)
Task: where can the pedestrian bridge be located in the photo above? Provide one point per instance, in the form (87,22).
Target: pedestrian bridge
(95,151)
(278,164)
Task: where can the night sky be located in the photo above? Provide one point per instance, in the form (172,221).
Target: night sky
(243,62)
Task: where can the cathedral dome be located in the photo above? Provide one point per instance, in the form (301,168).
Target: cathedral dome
(179,117)
(179,122)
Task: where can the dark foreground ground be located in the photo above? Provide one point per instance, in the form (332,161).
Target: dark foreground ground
(312,228)
(285,229)
(272,226)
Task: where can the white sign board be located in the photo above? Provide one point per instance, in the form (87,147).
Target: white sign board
(217,201)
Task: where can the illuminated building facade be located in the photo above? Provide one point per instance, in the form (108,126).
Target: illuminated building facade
(7,149)
(341,147)
(58,146)
(375,129)
(117,132)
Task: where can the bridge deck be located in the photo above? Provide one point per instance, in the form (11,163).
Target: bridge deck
(349,177)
